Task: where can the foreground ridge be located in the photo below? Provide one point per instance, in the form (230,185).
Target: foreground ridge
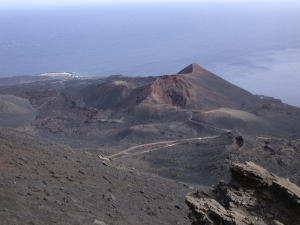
(253,196)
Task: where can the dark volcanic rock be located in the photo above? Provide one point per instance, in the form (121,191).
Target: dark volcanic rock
(254,196)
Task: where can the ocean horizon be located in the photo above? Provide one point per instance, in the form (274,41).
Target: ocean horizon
(254,45)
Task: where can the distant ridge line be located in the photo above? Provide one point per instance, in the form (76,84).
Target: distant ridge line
(192,68)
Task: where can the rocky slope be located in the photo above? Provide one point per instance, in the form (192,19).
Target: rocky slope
(193,88)
(47,183)
(187,127)
(253,196)
(107,115)
(212,92)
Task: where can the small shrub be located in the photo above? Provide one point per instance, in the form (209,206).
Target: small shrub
(176,175)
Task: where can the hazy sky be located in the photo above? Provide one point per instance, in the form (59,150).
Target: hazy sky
(73,2)
(40,4)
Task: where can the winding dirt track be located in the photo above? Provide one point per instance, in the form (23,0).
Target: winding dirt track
(156,143)
(173,141)
(209,126)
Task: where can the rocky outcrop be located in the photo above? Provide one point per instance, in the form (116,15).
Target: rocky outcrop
(253,196)
(173,90)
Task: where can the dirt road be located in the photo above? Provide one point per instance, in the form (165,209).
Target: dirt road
(157,143)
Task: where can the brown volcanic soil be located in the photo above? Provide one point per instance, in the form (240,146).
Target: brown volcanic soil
(212,92)
(45,183)
(107,95)
(173,90)
(192,88)
(109,115)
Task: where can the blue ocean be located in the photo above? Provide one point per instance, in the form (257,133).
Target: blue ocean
(255,45)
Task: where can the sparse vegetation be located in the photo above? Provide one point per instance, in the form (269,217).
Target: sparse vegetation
(176,175)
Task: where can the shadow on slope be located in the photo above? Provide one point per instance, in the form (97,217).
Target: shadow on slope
(15,111)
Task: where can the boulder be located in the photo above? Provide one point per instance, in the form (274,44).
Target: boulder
(253,196)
